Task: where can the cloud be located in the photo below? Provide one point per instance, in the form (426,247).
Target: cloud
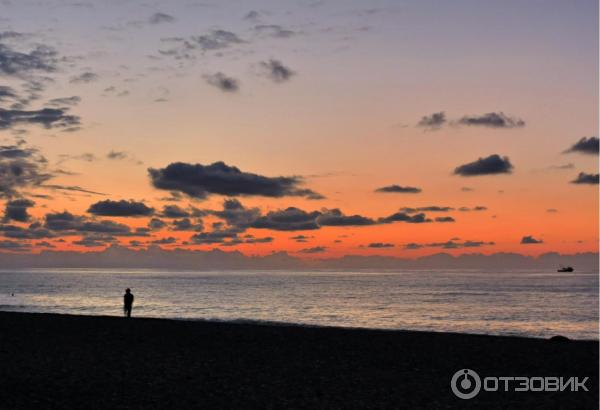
(14,63)
(276,71)
(492,120)
(156,224)
(381,245)
(174,211)
(120,208)
(335,217)
(290,219)
(586,146)
(16,210)
(451,244)
(186,224)
(165,241)
(115,155)
(237,215)
(477,208)
(583,178)
(273,30)
(399,189)
(21,167)
(301,238)
(493,164)
(530,240)
(431,208)
(216,40)
(46,117)
(199,181)
(433,121)
(315,249)
(222,82)
(158,18)
(84,78)
(404,217)
(445,219)
(64,101)
(14,246)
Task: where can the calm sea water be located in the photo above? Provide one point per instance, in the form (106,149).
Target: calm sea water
(538,304)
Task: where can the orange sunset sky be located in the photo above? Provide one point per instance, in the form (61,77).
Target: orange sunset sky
(482,114)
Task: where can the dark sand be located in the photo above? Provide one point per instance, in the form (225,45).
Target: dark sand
(78,362)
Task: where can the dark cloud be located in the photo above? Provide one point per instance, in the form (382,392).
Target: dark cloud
(16,210)
(64,101)
(14,246)
(120,208)
(165,241)
(493,120)
(84,78)
(451,244)
(156,224)
(431,208)
(494,164)
(186,224)
(530,240)
(381,245)
(42,59)
(273,30)
(445,219)
(223,82)
(301,238)
(290,219)
(399,189)
(174,211)
(433,121)
(46,117)
(477,208)
(552,210)
(316,249)
(158,18)
(335,217)
(200,181)
(583,178)
(67,223)
(237,215)
(21,167)
(217,40)
(213,237)
(586,146)
(404,217)
(252,15)
(276,71)
(33,231)
(73,188)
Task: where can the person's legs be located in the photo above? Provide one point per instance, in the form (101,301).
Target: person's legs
(128,312)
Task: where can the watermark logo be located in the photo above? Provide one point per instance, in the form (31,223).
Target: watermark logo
(465,384)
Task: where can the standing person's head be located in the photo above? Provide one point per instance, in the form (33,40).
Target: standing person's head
(127,290)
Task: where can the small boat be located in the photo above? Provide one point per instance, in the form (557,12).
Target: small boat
(565,269)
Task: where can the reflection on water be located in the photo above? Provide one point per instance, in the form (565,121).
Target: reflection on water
(512,303)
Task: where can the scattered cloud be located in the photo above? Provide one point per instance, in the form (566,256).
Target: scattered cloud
(530,240)
(276,71)
(585,146)
(120,208)
(158,18)
(273,30)
(404,217)
(84,78)
(399,189)
(451,244)
(315,249)
(583,178)
(445,219)
(494,164)
(16,210)
(46,117)
(433,121)
(223,82)
(492,120)
(335,217)
(289,219)
(380,245)
(199,181)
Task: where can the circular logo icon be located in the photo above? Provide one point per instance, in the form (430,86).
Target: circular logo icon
(465,384)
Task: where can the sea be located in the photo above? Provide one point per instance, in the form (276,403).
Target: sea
(520,303)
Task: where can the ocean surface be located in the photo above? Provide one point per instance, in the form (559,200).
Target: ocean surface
(526,303)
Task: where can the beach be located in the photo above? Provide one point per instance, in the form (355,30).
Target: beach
(51,361)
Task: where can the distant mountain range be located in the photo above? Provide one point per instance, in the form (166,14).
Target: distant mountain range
(155,257)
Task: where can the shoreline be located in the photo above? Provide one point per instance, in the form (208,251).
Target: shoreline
(74,361)
(274,323)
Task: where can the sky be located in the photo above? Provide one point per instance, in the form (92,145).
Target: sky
(316,128)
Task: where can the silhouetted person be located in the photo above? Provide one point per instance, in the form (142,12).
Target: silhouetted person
(128,302)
